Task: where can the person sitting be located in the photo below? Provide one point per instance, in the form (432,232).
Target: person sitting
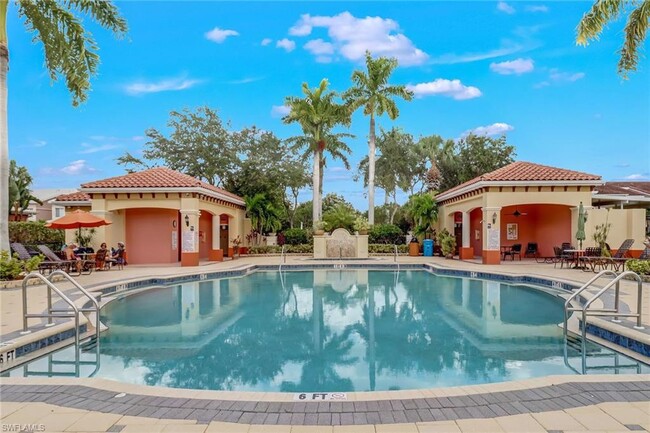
(119,255)
(71,256)
(102,258)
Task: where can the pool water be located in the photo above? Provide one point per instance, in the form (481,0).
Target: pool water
(333,330)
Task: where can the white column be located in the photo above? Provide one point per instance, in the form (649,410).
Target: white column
(216,238)
(465,286)
(491,228)
(466,231)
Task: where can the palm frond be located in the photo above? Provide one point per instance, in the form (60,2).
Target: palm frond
(593,22)
(635,33)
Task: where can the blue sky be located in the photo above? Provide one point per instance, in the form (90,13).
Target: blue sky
(493,67)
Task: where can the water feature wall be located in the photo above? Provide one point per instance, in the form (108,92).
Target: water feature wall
(340,244)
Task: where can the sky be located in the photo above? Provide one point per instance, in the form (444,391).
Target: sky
(493,68)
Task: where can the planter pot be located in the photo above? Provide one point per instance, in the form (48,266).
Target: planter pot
(319,232)
(363,232)
(414,249)
(449,257)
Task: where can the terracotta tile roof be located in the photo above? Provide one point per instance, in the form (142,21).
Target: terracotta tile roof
(158,177)
(625,188)
(521,171)
(74,196)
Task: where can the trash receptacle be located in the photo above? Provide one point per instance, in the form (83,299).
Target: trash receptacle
(427,247)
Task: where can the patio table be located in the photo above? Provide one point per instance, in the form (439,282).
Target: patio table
(576,257)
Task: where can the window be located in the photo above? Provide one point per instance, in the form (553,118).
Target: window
(58,211)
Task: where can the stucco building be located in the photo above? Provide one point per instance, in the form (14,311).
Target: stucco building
(163,216)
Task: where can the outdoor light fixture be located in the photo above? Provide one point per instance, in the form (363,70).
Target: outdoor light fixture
(187,220)
(494,218)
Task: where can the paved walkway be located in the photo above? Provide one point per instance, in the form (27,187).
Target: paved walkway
(556,404)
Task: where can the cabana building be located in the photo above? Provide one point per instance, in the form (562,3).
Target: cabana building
(525,203)
(163,216)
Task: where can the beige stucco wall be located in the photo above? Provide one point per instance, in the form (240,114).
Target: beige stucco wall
(625,224)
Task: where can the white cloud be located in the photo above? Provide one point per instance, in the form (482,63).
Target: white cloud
(172,84)
(39,143)
(537,8)
(451,88)
(219,35)
(556,76)
(505,8)
(494,129)
(74,168)
(92,148)
(319,46)
(351,37)
(266,41)
(279,110)
(287,44)
(246,80)
(137,138)
(451,59)
(518,66)
(637,176)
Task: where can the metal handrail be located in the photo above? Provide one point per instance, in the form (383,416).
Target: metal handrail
(606,311)
(567,304)
(82,290)
(283,258)
(395,255)
(49,314)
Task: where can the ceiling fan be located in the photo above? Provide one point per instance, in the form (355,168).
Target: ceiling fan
(517,214)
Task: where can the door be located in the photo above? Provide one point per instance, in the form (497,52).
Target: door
(458,234)
(223,239)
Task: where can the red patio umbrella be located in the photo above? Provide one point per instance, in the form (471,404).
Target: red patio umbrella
(77,220)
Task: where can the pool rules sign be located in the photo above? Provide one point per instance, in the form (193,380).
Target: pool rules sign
(320,396)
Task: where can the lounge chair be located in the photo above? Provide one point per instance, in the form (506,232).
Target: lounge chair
(87,266)
(645,255)
(531,250)
(44,266)
(514,251)
(618,260)
(592,259)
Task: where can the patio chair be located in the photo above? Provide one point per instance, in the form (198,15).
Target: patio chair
(561,257)
(645,255)
(86,265)
(514,251)
(44,266)
(592,259)
(567,246)
(531,250)
(101,262)
(621,256)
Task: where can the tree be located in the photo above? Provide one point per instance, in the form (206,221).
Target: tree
(199,145)
(265,217)
(317,114)
(400,165)
(20,195)
(471,157)
(636,28)
(372,92)
(295,178)
(70,51)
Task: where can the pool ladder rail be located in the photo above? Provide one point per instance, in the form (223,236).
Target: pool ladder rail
(72,312)
(283,258)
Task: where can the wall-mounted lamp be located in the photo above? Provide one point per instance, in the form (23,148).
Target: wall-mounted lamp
(187,220)
(494,218)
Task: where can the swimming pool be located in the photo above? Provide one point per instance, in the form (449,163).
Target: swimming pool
(333,330)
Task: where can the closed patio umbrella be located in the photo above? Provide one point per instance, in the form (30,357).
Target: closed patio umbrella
(582,218)
(77,220)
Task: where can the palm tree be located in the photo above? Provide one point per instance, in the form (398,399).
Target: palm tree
(69,51)
(372,92)
(317,114)
(265,217)
(636,28)
(20,195)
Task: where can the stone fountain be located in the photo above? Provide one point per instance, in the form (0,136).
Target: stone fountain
(340,245)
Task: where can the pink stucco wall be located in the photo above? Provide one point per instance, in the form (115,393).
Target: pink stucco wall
(149,235)
(548,225)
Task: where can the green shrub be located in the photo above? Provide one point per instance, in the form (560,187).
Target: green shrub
(340,216)
(387,249)
(641,267)
(295,237)
(447,243)
(35,233)
(386,234)
(33,263)
(276,249)
(10,266)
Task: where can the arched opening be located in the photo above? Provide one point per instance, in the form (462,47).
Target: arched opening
(547,225)
(205,234)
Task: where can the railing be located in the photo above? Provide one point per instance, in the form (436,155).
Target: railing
(86,293)
(51,312)
(614,312)
(283,258)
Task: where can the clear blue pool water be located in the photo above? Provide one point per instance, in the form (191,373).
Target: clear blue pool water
(333,330)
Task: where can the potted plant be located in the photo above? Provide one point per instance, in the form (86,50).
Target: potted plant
(361,225)
(319,228)
(447,243)
(236,242)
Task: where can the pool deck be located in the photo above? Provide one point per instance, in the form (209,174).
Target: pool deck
(597,403)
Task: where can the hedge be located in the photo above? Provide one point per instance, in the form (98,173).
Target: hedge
(386,249)
(386,234)
(641,267)
(35,233)
(276,249)
(295,236)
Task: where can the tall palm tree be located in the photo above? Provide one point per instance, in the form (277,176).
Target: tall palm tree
(69,51)
(636,28)
(317,113)
(372,92)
